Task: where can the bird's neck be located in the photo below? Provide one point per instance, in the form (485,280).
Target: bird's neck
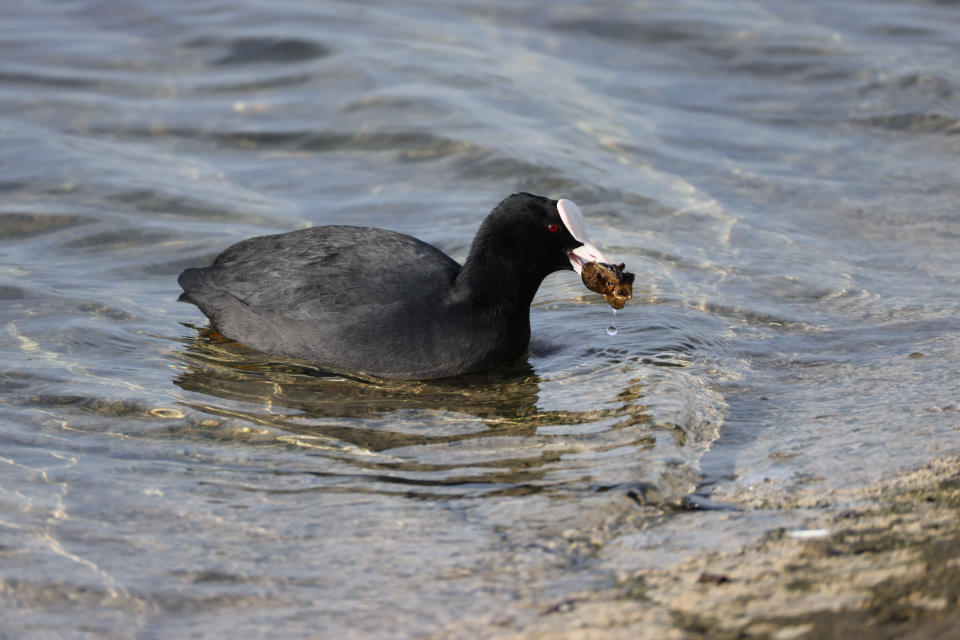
(496,288)
(495,285)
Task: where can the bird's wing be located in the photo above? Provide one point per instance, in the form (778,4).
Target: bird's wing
(311,272)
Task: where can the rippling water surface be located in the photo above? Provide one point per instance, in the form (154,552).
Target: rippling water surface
(781,176)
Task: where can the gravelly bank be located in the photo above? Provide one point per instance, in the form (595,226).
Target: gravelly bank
(883,561)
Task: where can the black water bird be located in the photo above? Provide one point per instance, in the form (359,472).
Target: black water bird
(382,303)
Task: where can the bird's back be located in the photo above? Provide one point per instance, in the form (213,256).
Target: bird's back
(325,270)
(356,298)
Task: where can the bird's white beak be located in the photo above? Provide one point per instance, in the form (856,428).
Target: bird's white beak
(573,221)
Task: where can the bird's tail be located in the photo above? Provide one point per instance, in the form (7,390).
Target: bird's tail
(193,281)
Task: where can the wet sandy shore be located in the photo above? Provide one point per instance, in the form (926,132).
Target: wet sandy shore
(888,566)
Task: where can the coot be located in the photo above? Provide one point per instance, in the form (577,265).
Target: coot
(386,304)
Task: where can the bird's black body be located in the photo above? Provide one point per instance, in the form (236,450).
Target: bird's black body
(383,303)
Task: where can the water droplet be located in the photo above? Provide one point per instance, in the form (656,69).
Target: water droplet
(612,329)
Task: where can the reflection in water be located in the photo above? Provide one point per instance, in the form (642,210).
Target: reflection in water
(228,369)
(479,432)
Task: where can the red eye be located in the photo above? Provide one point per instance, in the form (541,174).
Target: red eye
(553,228)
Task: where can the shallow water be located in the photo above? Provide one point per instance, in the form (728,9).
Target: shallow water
(782,178)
